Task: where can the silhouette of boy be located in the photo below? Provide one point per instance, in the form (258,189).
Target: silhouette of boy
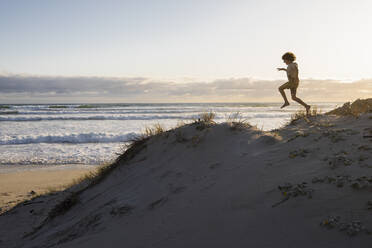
(293,81)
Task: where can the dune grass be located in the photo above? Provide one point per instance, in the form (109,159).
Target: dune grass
(301,114)
(208,118)
(156,129)
(204,120)
(237,122)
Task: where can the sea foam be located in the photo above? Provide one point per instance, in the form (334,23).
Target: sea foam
(69,138)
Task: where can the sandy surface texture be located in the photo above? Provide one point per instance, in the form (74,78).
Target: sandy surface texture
(21,185)
(307,184)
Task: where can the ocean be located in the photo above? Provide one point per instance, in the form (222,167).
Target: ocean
(92,134)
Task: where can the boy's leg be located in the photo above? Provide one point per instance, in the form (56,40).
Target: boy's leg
(281,90)
(295,98)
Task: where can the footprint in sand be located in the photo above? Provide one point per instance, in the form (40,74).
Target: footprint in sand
(123,210)
(179,189)
(214,166)
(157,203)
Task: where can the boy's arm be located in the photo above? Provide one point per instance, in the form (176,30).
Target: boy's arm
(281,69)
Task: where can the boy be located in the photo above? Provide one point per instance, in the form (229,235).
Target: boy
(293,81)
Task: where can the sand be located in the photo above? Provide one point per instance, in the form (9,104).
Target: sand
(18,186)
(307,184)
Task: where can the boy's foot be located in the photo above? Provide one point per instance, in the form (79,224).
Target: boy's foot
(308,110)
(285,105)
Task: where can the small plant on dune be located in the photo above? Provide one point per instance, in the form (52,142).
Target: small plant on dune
(315,111)
(208,117)
(205,120)
(237,122)
(300,114)
(152,131)
(148,132)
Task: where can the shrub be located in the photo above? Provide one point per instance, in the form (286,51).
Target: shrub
(207,117)
(237,122)
(314,111)
(205,120)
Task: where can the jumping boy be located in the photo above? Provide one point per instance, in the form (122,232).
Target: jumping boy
(293,81)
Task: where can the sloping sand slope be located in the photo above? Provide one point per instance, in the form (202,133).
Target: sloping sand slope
(200,186)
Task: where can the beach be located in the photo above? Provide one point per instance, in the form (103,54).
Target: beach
(208,184)
(24,184)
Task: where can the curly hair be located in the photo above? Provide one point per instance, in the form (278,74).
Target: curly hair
(289,56)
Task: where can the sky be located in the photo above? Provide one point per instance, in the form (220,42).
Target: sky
(182,43)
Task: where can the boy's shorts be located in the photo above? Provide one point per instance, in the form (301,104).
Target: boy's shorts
(289,85)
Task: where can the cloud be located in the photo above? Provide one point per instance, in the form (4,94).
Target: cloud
(32,89)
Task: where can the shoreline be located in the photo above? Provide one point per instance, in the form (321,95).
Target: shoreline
(47,167)
(20,184)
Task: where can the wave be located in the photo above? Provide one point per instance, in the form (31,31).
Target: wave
(134,117)
(9,112)
(63,112)
(97,117)
(71,138)
(58,107)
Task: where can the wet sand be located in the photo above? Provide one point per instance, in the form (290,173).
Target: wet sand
(17,186)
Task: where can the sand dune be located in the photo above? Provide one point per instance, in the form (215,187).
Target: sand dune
(307,184)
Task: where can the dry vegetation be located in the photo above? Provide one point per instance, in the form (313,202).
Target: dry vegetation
(205,120)
(154,130)
(300,114)
(237,122)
